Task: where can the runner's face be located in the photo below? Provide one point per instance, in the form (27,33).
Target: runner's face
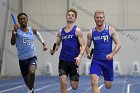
(99,19)
(23,21)
(70,17)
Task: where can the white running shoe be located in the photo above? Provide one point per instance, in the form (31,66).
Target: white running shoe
(30,91)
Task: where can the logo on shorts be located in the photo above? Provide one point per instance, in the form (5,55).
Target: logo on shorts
(77,70)
(33,63)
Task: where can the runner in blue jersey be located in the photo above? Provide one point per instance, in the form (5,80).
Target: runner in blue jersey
(73,47)
(102,58)
(23,37)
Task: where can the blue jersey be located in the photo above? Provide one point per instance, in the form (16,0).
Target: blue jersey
(25,44)
(102,43)
(70,45)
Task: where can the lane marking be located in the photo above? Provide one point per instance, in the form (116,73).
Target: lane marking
(69,89)
(14,88)
(101,86)
(128,88)
(11,84)
(45,87)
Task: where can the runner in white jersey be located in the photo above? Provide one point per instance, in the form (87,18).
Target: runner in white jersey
(23,37)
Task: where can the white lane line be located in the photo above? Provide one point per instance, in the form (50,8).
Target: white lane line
(69,89)
(128,88)
(90,88)
(124,86)
(11,84)
(14,88)
(45,87)
(101,86)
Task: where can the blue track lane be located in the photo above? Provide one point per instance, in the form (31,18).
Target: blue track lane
(50,84)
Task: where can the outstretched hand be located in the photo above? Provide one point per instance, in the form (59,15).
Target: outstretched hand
(45,48)
(52,51)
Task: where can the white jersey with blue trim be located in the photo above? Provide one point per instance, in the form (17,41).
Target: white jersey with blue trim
(25,44)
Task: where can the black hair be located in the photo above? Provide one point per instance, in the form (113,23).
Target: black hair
(20,15)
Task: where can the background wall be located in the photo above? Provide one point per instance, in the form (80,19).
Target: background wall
(48,16)
(3,21)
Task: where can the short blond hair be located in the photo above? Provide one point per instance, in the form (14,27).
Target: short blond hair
(99,11)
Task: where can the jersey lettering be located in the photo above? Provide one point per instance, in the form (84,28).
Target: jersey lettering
(26,41)
(67,37)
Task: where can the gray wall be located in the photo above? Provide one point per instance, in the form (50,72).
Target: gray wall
(4,20)
(46,14)
(49,15)
(120,13)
